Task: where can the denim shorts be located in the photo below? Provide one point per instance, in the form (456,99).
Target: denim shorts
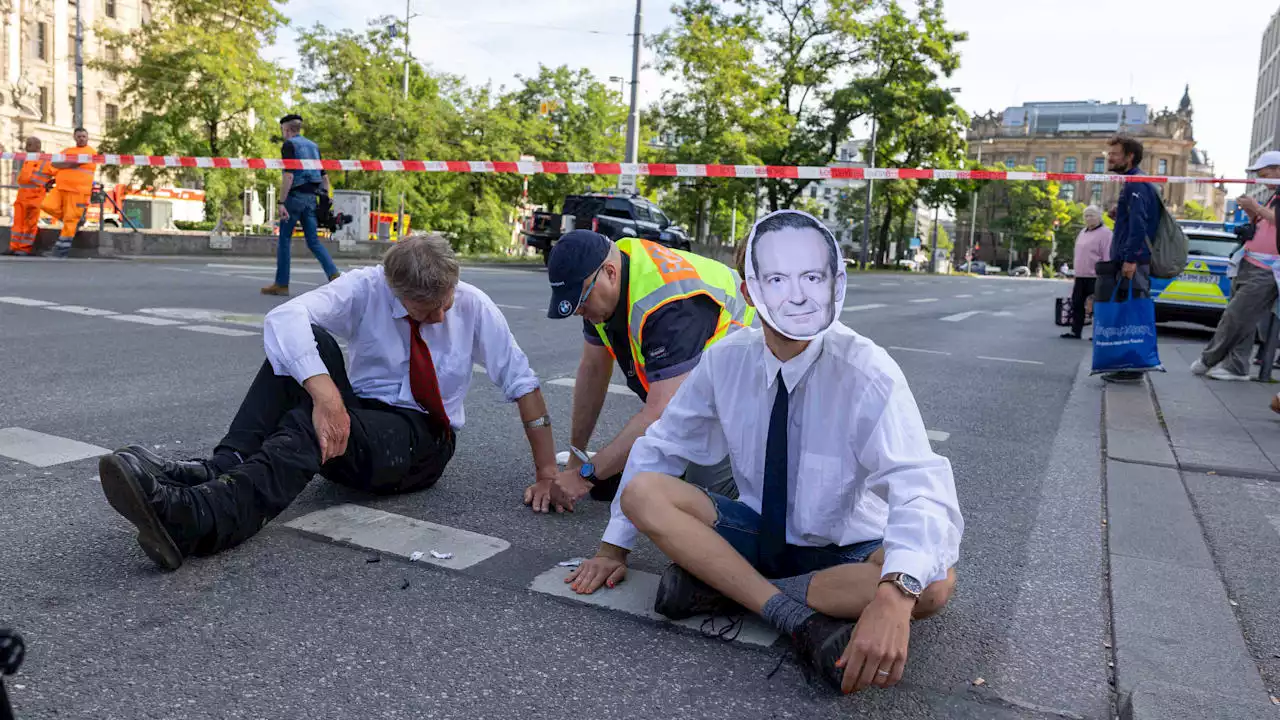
(740,526)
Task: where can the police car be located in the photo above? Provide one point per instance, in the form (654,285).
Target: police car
(1201,292)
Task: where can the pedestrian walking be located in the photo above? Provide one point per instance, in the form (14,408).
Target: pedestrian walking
(388,426)
(1137,217)
(299,194)
(1253,290)
(845,512)
(33,178)
(69,198)
(1093,245)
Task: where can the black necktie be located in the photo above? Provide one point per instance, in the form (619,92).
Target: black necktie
(773,504)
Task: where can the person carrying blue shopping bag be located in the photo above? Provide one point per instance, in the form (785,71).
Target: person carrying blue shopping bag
(1137,219)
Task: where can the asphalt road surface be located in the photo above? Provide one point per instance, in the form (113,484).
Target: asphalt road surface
(298,622)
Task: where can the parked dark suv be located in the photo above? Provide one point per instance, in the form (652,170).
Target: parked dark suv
(613,214)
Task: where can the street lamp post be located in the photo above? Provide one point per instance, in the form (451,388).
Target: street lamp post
(866,220)
(973,210)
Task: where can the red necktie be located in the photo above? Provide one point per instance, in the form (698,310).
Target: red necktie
(422,376)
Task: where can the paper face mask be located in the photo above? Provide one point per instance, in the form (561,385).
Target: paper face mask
(795,274)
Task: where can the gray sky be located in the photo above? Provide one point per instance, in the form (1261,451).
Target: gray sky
(1018,50)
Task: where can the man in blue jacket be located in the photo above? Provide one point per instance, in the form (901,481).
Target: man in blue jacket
(299,194)
(1137,216)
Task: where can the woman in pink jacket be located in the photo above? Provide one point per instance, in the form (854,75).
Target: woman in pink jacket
(1093,245)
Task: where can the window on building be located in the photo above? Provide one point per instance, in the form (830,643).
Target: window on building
(1163,167)
(1099,165)
(1095,194)
(1011,162)
(109,8)
(1068,192)
(111,114)
(40,46)
(44,104)
(813,191)
(1042,164)
(1069,165)
(113,56)
(844,154)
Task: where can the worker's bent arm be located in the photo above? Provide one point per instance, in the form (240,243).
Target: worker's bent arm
(589,390)
(612,459)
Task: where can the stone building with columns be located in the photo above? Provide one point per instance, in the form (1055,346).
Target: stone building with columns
(38,72)
(1072,137)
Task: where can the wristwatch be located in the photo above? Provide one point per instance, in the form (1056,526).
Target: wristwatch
(588,470)
(908,585)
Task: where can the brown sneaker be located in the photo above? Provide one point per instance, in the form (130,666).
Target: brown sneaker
(274,289)
(335,276)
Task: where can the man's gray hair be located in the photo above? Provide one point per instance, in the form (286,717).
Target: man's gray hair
(294,125)
(421,268)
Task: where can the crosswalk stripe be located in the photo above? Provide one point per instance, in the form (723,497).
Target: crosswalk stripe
(919,350)
(213,330)
(570,382)
(964,295)
(961,316)
(82,310)
(144,320)
(1010,360)
(635,596)
(44,450)
(937,435)
(400,535)
(511,307)
(27,302)
(858,308)
(924,300)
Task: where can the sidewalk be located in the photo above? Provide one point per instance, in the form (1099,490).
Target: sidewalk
(1171,441)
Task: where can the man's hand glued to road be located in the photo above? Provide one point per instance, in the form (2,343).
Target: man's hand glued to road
(877,652)
(608,567)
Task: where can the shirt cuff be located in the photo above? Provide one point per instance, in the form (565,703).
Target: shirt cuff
(307,366)
(521,388)
(621,532)
(919,565)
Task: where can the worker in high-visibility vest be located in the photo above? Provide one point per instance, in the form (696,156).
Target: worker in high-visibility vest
(72,186)
(33,176)
(651,309)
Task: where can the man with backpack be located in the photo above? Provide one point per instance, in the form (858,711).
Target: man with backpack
(1253,291)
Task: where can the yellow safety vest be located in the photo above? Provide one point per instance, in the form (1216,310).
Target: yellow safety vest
(658,275)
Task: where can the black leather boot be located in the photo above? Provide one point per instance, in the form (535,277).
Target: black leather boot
(170,519)
(184,473)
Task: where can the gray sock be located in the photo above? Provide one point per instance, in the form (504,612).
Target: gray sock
(796,588)
(785,614)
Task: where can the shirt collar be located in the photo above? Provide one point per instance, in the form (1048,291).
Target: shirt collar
(793,370)
(1135,170)
(398,309)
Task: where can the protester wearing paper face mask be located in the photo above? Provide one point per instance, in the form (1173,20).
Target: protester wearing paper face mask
(794,272)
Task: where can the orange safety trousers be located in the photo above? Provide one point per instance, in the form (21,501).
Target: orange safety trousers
(26,221)
(67,207)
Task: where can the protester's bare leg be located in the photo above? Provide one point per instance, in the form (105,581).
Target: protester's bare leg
(844,591)
(679,519)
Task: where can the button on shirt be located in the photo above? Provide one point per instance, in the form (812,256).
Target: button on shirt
(360,307)
(859,463)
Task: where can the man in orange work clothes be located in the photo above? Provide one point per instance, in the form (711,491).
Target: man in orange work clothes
(32,178)
(73,184)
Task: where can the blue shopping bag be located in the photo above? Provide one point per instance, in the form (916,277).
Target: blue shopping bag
(1124,333)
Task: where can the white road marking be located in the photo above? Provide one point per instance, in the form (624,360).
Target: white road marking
(961,316)
(1002,313)
(144,320)
(82,310)
(924,300)
(988,292)
(570,382)
(212,330)
(919,350)
(889,284)
(1011,360)
(1008,290)
(635,596)
(937,435)
(266,268)
(511,307)
(400,535)
(203,315)
(964,295)
(28,302)
(859,308)
(44,450)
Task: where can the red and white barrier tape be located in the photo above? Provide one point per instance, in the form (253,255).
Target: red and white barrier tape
(793,172)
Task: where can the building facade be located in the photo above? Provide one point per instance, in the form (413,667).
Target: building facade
(1266,104)
(38,67)
(1072,137)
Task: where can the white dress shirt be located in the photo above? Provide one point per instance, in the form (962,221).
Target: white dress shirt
(859,464)
(361,308)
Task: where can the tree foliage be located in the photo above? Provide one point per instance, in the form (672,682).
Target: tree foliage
(1192,210)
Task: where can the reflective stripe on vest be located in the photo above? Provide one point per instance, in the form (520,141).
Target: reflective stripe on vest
(658,275)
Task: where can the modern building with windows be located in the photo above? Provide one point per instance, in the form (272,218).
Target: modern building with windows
(1266,104)
(1071,137)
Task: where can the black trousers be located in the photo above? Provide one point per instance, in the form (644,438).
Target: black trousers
(390,450)
(1083,288)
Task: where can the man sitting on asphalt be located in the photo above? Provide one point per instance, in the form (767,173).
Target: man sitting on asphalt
(655,310)
(413,332)
(843,502)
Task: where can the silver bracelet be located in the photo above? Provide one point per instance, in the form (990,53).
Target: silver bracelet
(544,421)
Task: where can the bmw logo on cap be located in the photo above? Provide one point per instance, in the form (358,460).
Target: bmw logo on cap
(566,307)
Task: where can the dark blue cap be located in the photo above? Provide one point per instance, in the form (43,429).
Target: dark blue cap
(575,257)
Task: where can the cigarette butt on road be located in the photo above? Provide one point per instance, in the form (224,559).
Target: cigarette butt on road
(1234,603)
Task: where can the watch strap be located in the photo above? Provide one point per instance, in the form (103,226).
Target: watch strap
(544,421)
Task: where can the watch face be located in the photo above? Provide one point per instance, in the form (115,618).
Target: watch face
(910,584)
(587,470)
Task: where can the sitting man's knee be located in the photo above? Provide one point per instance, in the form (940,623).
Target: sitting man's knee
(645,492)
(935,597)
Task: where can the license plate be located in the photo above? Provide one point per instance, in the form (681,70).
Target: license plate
(1208,279)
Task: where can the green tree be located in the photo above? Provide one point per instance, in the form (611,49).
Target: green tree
(1192,210)
(198,69)
(1035,212)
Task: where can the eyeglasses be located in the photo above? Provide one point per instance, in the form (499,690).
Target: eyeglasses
(590,287)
